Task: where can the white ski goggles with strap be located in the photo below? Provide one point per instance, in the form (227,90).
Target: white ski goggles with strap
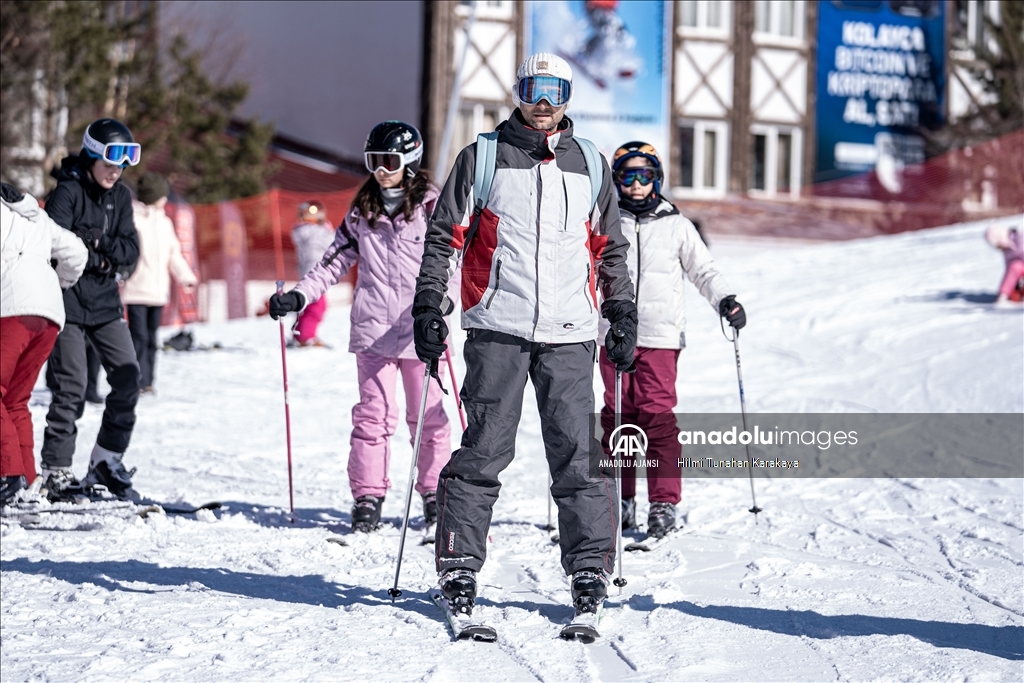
(533,89)
(115,153)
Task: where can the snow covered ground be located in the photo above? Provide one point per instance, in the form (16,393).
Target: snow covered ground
(842,579)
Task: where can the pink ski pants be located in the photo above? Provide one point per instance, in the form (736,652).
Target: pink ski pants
(375,419)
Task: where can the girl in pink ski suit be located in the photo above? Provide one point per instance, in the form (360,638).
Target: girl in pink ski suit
(383,232)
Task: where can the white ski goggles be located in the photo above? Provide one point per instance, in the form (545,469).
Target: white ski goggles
(533,89)
(118,153)
(389,162)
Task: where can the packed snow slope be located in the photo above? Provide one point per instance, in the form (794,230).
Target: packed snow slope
(841,579)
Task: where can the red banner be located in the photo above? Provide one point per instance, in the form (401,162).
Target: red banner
(184,304)
(234,255)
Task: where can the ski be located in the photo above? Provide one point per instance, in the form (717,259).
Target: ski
(464,627)
(583,627)
(171,510)
(649,543)
(102,506)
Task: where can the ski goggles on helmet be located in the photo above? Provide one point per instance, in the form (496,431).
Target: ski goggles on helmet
(628,176)
(118,153)
(389,162)
(533,89)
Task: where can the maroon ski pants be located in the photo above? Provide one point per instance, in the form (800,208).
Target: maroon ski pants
(25,344)
(649,402)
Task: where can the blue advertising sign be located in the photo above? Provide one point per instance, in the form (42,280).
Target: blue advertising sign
(619,52)
(880,79)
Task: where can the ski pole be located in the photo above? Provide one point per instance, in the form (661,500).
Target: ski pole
(743,411)
(287,410)
(455,387)
(394,592)
(619,581)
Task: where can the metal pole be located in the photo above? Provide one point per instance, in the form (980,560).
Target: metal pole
(619,581)
(394,592)
(287,410)
(453,101)
(743,410)
(455,387)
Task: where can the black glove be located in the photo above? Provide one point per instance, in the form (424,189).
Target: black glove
(283,304)
(732,311)
(428,328)
(621,338)
(10,193)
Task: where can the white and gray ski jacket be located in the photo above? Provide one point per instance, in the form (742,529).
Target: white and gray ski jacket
(663,245)
(533,266)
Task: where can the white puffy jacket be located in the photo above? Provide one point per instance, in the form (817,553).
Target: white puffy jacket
(29,239)
(159,258)
(663,245)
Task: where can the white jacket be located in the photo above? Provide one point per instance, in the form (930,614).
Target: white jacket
(159,258)
(29,239)
(663,245)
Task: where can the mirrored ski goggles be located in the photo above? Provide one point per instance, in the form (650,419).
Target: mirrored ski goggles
(120,153)
(533,89)
(628,176)
(390,162)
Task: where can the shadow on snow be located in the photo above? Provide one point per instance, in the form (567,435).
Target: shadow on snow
(1000,641)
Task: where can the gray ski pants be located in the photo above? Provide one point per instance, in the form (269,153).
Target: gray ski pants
(497,366)
(113,343)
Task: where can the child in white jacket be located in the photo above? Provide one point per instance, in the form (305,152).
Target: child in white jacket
(32,309)
(148,289)
(663,248)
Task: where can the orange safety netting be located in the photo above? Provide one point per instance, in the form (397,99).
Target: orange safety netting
(268,219)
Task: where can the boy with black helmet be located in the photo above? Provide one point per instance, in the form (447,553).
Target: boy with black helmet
(383,232)
(91,201)
(663,247)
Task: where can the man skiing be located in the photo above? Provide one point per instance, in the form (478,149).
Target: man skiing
(533,252)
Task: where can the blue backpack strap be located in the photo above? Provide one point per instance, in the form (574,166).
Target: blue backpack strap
(483,176)
(595,169)
(486,155)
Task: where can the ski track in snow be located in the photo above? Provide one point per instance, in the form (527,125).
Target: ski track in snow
(841,579)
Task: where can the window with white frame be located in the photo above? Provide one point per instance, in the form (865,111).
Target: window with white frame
(779,19)
(705,16)
(702,158)
(775,154)
(487,9)
(969,16)
(473,119)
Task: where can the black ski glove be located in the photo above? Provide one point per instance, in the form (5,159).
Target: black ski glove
(428,328)
(732,311)
(283,304)
(10,193)
(621,338)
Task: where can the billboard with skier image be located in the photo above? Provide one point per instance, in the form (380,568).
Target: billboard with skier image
(619,52)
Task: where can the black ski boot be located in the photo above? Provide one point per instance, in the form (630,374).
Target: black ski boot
(107,470)
(60,485)
(628,514)
(366,513)
(10,487)
(430,507)
(589,589)
(661,519)
(458,586)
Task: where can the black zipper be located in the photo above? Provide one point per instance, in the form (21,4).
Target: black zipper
(636,297)
(497,281)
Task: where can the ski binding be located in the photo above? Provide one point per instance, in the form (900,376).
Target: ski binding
(464,626)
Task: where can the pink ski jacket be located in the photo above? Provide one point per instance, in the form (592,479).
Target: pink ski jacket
(389,255)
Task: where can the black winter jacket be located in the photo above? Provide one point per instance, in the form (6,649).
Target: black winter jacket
(103,220)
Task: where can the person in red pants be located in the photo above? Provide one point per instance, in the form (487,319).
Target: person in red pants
(664,247)
(31,315)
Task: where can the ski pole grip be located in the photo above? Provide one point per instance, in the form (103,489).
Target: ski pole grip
(280,286)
